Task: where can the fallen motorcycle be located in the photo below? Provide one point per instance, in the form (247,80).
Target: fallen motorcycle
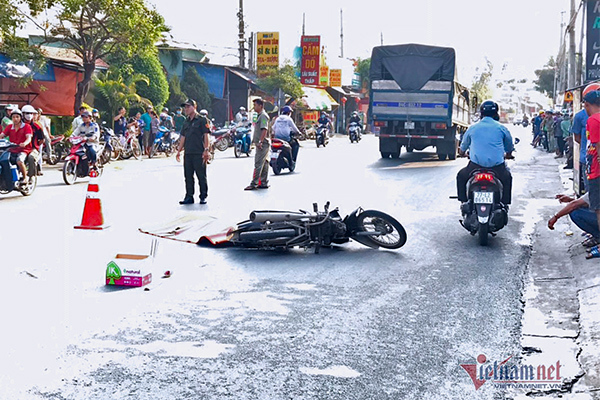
(282,230)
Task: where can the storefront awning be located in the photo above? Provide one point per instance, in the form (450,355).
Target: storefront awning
(318,99)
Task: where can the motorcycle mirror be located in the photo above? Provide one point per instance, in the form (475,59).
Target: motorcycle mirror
(315,207)
(103,122)
(327,206)
(517,140)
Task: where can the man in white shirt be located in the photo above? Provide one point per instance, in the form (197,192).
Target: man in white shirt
(283,127)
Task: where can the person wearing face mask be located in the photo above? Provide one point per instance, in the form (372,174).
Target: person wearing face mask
(178,119)
(37,141)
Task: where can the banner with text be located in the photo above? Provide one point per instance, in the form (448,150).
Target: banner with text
(335,77)
(311,55)
(267,53)
(593,41)
(324,76)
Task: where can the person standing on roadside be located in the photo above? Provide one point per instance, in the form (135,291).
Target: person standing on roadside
(178,120)
(78,119)
(154,126)
(46,125)
(592,108)
(146,118)
(579,136)
(120,122)
(195,143)
(260,177)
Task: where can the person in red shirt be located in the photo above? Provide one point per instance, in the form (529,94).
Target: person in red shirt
(19,133)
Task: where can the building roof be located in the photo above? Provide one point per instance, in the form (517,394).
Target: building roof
(68,56)
(317,99)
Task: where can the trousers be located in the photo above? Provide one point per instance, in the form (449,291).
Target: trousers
(193,164)
(586,220)
(260,176)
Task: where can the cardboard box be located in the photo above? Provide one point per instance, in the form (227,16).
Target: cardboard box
(129,270)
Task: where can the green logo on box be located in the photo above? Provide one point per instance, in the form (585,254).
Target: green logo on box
(113,272)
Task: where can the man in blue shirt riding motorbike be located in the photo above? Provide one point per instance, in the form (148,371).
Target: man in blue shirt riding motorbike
(489,143)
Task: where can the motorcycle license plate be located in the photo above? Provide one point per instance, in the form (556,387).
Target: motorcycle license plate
(409,125)
(275,155)
(483,197)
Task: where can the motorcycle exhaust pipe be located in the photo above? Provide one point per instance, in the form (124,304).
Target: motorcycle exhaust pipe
(275,216)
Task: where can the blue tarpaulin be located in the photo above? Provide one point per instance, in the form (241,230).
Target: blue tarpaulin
(214,76)
(10,70)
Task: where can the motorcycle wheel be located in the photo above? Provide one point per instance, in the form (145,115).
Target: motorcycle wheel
(168,151)
(276,169)
(28,190)
(237,150)
(372,221)
(126,153)
(221,144)
(318,143)
(116,152)
(136,150)
(292,167)
(483,234)
(69,172)
(53,159)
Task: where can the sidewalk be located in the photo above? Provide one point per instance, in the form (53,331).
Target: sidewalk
(561,318)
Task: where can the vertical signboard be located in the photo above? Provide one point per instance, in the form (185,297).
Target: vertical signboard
(267,53)
(324,76)
(593,41)
(311,55)
(335,77)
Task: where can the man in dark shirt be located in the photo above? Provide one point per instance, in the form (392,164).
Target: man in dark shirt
(120,122)
(194,140)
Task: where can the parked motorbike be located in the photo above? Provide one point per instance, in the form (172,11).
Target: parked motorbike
(243,141)
(77,163)
(60,149)
(321,136)
(131,147)
(10,175)
(109,144)
(288,229)
(354,132)
(282,155)
(163,143)
(224,138)
(484,214)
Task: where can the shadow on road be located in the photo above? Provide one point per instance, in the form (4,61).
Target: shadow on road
(415,160)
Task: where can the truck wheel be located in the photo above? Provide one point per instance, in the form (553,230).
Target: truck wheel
(385,154)
(442,157)
(452,156)
(396,154)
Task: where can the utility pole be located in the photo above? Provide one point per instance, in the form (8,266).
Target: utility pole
(571,30)
(303,24)
(579,72)
(341,33)
(241,40)
(382,38)
(251,52)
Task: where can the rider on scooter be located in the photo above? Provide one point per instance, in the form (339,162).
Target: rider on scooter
(37,141)
(324,120)
(21,134)
(354,119)
(283,127)
(489,143)
(90,130)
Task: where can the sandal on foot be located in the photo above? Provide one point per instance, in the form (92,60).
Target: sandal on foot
(591,242)
(589,250)
(594,253)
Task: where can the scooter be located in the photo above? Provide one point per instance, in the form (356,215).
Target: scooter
(282,155)
(243,141)
(162,143)
(321,136)
(77,164)
(10,175)
(354,132)
(484,214)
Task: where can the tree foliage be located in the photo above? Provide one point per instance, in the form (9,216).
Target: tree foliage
(176,95)
(156,89)
(196,88)
(284,79)
(481,84)
(545,78)
(112,91)
(363,66)
(95,29)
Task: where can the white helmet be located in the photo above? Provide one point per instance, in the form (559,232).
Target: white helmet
(203,112)
(242,109)
(29,109)
(16,111)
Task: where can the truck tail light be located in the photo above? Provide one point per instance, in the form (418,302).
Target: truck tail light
(380,123)
(439,125)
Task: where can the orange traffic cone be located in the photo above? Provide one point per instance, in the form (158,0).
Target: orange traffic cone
(92,211)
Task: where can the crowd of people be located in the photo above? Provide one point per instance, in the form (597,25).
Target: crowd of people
(552,130)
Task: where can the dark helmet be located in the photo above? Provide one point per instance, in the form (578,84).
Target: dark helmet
(489,108)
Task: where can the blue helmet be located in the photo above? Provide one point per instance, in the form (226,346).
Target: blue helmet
(286,110)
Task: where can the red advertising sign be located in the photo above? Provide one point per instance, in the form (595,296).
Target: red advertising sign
(311,55)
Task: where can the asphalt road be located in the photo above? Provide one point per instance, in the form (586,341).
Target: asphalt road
(349,323)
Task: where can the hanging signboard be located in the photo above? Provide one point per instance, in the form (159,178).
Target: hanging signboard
(593,41)
(324,76)
(335,77)
(311,55)
(267,53)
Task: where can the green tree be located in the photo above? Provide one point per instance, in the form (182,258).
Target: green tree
(480,89)
(111,91)
(176,95)
(157,88)
(196,88)
(284,79)
(95,29)
(362,69)
(545,78)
